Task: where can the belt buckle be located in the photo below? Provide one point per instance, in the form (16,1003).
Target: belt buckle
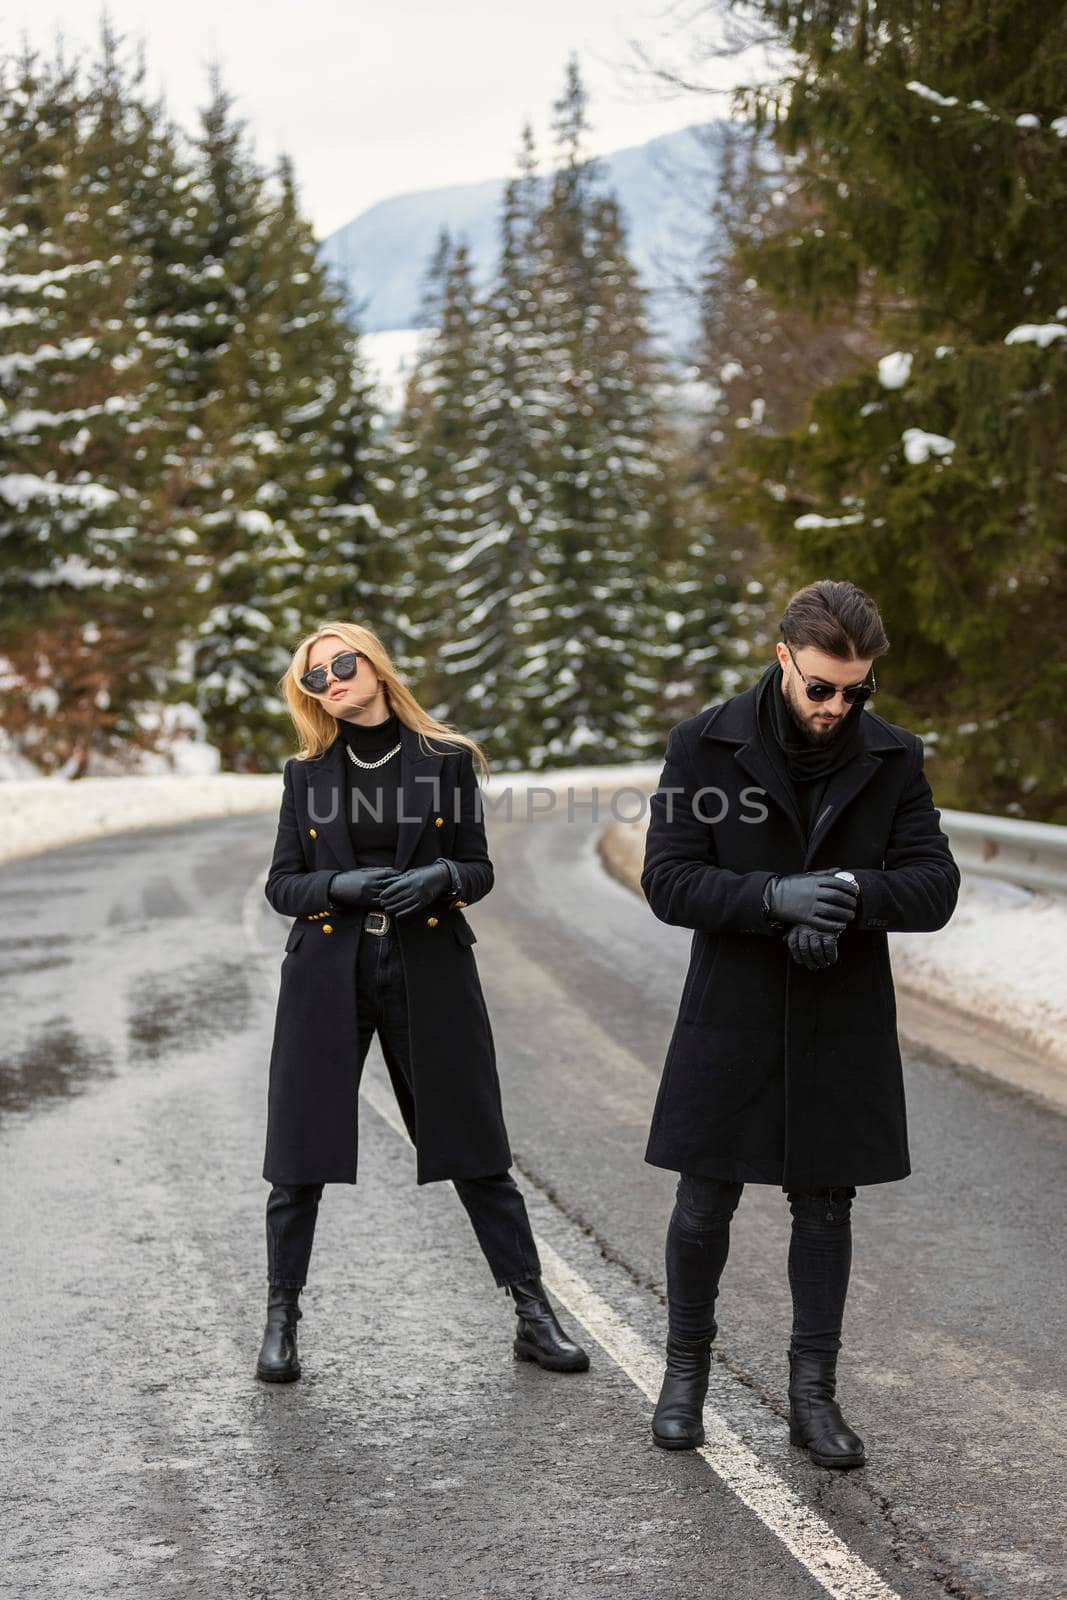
(384,915)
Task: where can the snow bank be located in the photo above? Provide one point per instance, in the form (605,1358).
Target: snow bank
(1001,959)
(46,813)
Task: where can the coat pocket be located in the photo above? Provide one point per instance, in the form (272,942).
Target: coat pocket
(296,933)
(463,931)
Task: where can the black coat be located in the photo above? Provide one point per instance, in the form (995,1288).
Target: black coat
(314,1081)
(775,1074)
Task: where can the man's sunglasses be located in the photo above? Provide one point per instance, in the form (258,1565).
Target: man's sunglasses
(346,665)
(857,694)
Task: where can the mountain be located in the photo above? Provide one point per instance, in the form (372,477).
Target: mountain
(665,189)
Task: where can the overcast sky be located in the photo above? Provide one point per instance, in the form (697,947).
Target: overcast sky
(373,100)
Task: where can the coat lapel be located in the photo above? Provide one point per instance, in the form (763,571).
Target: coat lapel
(326,803)
(734,723)
(756,763)
(420,783)
(842,787)
(420,794)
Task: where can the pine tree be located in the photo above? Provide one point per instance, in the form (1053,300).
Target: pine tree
(932,163)
(759,364)
(190,451)
(348,563)
(443,470)
(93,581)
(593,664)
(288,528)
(493,585)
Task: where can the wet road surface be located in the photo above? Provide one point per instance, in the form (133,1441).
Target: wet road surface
(416,1457)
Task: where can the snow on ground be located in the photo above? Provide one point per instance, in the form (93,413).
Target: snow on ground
(46,813)
(1000,959)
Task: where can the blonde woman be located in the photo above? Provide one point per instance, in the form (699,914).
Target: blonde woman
(381,845)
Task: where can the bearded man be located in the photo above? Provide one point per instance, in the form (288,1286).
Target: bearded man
(792,831)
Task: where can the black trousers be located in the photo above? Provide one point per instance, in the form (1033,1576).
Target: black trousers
(493,1203)
(820,1259)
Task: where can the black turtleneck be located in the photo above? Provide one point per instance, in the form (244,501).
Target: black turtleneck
(371,797)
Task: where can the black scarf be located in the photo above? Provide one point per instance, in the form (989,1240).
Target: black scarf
(804,765)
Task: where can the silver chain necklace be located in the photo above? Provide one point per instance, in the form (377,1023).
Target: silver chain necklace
(389,754)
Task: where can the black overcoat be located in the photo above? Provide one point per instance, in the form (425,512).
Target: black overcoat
(775,1074)
(455,1115)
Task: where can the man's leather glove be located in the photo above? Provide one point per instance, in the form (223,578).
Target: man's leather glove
(822,900)
(359,886)
(415,888)
(811,948)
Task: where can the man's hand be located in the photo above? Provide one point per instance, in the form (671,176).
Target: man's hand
(820,900)
(416,887)
(359,886)
(811,948)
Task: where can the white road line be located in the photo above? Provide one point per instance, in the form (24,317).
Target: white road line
(805,1534)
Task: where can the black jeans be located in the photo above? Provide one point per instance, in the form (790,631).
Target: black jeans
(494,1203)
(820,1259)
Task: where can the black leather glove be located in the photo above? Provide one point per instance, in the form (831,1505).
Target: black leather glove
(811,948)
(359,886)
(415,888)
(822,900)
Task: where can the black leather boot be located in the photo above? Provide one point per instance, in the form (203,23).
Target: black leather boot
(278,1361)
(539,1337)
(815,1420)
(678,1420)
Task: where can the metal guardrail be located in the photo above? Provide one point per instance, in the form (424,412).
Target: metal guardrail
(1031,854)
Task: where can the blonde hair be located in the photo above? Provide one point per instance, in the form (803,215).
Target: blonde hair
(315,726)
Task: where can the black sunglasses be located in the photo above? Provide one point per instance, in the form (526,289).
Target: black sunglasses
(857,694)
(346,665)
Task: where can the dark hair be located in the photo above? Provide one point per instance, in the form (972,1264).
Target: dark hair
(837,618)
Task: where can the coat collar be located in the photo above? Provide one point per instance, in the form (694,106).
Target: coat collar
(734,723)
(419,795)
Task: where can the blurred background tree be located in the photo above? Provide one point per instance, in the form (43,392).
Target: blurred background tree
(567,542)
(926,153)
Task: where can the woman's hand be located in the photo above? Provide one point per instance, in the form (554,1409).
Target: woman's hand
(416,887)
(359,886)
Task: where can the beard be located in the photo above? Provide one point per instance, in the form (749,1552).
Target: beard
(813,733)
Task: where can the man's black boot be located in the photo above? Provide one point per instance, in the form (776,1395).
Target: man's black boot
(678,1420)
(278,1361)
(539,1337)
(815,1420)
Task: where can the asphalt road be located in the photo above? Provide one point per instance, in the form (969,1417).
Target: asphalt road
(416,1458)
